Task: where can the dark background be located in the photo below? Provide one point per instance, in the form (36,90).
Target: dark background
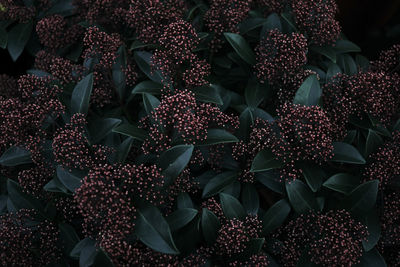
(372,24)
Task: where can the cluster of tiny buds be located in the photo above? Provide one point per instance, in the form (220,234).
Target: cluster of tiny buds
(280,54)
(330,239)
(317,19)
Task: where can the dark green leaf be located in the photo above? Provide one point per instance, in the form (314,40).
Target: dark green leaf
(241,47)
(3,38)
(153,230)
(218,183)
(374,230)
(207,94)
(22,200)
(175,159)
(373,142)
(250,199)
(275,216)
(362,199)
(69,180)
(288,18)
(231,207)
(372,258)
(18,38)
(15,156)
(314,176)
(143,60)
(254,94)
(131,131)
(218,136)
(118,74)
(273,23)
(332,71)
(81,95)
(301,197)
(342,182)
(271,180)
(148,87)
(54,185)
(87,255)
(209,226)
(102,259)
(99,129)
(265,160)
(326,51)
(123,150)
(69,238)
(150,102)
(309,92)
(345,46)
(184,201)
(346,153)
(180,218)
(76,251)
(250,24)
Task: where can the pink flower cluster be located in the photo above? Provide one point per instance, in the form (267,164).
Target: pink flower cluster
(279,55)
(330,239)
(180,116)
(71,147)
(25,242)
(224,16)
(16,10)
(316,18)
(176,56)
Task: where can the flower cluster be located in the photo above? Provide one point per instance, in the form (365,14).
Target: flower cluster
(384,166)
(71,147)
(150,17)
(180,116)
(224,16)
(23,241)
(388,61)
(317,19)
(176,56)
(235,234)
(279,54)
(330,239)
(15,10)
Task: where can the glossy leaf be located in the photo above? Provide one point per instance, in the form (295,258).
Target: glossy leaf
(309,92)
(345,46)
(314,176)
(218,183)
(175,159)
(265,160)
(241,47)
(301,197)
(209,226)
(373,142)
(69,180)
(250,199)
(362,199)
(148,87)
(15,156)
(99,129)
(154,231)
(18,37)
(345,153)
(131,131)
(180,218)
(342,182)
(372,258)
(143,60)
(68,236)
(81,95)
(150,102)
(207,94)
(76,251)
(219,136)
(275,216)
(3,38)
(374,230)
(231,207)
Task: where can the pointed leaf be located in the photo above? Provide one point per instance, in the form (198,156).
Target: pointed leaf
(275,216)
(250,199)
(342,182)
(81,95)
(343,152)
(15,156)
(241,47)
(362,199)
(265,160)
(209,226)
(148,87)
(374,230)
(314,176)
(153,230)
(309,92)
(373,142)
(69,180)
(180,218)
(345,46)
(175,159)
(301,197)
(18,38)
(231,207)
(99,129)
(218,183)
(218,136)
(131,131)
(207,94)
(143,60)
(150,102)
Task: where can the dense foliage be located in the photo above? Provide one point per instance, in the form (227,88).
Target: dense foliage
(196,133)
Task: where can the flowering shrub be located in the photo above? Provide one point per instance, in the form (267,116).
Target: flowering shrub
(196,133)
